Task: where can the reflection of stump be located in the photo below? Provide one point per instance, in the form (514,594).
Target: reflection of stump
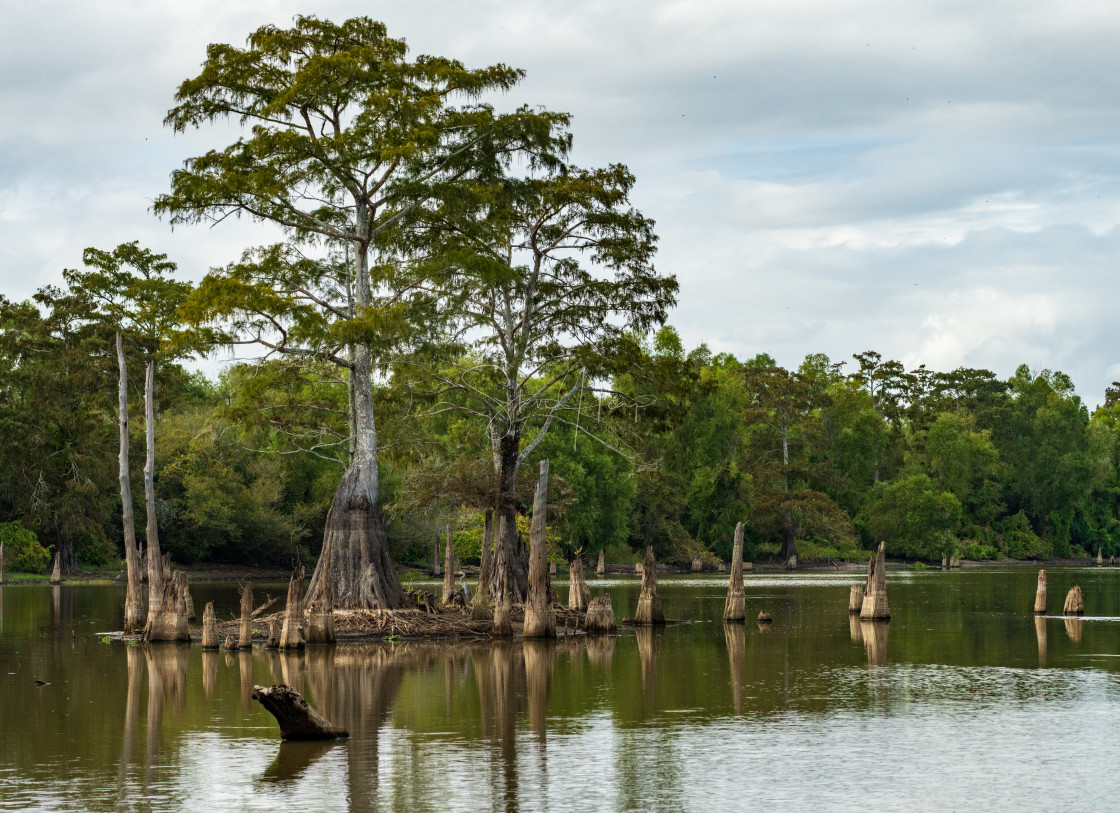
(1075,602)
(875,642)
(600,650)
(540,657)
(209,627)
(736,637)
(1040,594)
(209,672)
(875,595)
(1074,626)
(649,646)
(1040,634)
(600,615)
(855,599)
(735,607)
(854,629)
(298,721)
(579,594)
(649,602)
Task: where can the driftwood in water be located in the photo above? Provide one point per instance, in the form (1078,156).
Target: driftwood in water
(1040,594)
(579,594)
(855,599)
(600,615)
(291,635)
(875,594)
(298,721)
(209,627)
(448,568)
(1075,602)
(539,620)
(735,608)
(273,636)
(601,568)
(169,622)
(245,633)
(649,602)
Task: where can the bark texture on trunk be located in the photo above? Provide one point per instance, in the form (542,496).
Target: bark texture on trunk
(169,622)
(539,619)
(875,595)
(56,568)
(209,627)
(436,570)
(448,568)
(600,615)
(735,608)
(291,636)
(134,614)
(649,602)
(855,600)
(481,598)
(579,594)
(2,565)
(245,633)
(320,618)
(1075,602)
(1040,594)
(156,578)
(273,636)
(298,721)
(601,568)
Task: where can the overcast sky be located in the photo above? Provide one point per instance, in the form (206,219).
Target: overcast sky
(937,181)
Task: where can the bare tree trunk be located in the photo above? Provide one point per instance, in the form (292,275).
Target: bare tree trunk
(734,609)
(875,596)
(245,634)
(649,603)
(448,568)
(1040,594)
(155,557)
(482,595)
(503,623)
(579,594)
(291,636)
(209,628)
(298,721)
(133,597)
(169,622)
(539,619)
(436,569)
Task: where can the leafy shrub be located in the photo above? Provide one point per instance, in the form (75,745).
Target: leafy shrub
(22,549)
(1019,541)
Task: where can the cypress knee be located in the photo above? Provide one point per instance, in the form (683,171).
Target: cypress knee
(579,594)
(209,627)
(734,609)
(1040,594)
(539,619)
(649,603)
(875,596)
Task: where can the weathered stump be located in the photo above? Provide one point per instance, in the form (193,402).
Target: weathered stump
(638,567)
(273,641)
(697,564)
(56,569)
(954,562)
(539,619)
(875,594)
(320,619)
(1075,602)
(649,602)
(169,622)
(855,599)
(190,606)
(579,594)
(230,644)
(291,636)
(764,617)
(1040,594)
(298,721)
(245,633)
(601,567)
(600,615)
(209,627)
(448,569)
(1100,558)
(735,607)
(791,562)
(944,562)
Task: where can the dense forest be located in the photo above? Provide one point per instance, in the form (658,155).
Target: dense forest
(451,277)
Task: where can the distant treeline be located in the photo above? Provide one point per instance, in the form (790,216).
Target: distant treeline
(822,461)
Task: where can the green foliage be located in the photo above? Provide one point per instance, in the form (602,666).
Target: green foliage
(912,517)
(1019,541)
(22,550)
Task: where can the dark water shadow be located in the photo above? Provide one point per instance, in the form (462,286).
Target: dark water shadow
(293,758)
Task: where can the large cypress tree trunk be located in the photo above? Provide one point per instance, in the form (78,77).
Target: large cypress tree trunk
(155,557)
(134,596)
(539,619)
(515,560)
(355,548)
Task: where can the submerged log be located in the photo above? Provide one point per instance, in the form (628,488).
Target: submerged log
(448,569)
(245,636)
(1040,594)
(855,599)
(601,568)
(600,615)
(734,608)
(1075,602)
(579,594)
(539,619)
(291,636)
(875,594)
(209,627)
(169,622)
(649,602)
(298,721)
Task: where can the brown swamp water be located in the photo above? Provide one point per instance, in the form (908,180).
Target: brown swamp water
(963,701)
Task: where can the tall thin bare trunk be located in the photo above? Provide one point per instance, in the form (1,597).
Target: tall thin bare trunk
(482,595)
(448,568)
(245,636)
(734,609)
(539,619)
(134,596)
(155,557)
